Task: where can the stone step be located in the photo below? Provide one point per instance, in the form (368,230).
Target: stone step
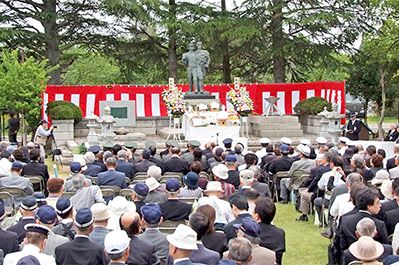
(278,134)
(276,126)
(273,119)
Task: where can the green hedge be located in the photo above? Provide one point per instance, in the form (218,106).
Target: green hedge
(63,110)
(312,106)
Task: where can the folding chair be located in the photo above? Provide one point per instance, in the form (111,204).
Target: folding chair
(128,181)
(173,174)
(139,178)
(33,180)
(94,180)
(127,193)
(188,200)
(68,194)
(7,200)
(115,189)
(356,262)
(17,194)
(276,178)
(108,194)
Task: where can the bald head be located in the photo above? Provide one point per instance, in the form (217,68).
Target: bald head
(130,222)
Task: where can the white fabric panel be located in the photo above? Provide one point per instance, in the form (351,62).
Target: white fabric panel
(310,93)
(295,99)
(140,105)
(45,102)
(59,97)
(90,103)
(124,97)
(323,93)
(75,99)
(110,97)
(339,100)
(328,94)
(155,106)
(281,101)
(333,96)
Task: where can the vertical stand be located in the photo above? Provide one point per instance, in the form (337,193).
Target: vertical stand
(244,124)
(175,129)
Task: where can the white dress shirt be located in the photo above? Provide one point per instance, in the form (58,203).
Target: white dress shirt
(29,249)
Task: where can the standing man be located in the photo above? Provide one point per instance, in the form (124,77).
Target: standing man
(13,128)
(353,128)
(190,60)
(41,136)
(204,60)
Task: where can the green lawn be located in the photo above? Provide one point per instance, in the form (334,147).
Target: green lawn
(388,120)
(304,243)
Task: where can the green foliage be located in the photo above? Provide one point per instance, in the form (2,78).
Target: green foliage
(82,149)
(63,110)
(312,106)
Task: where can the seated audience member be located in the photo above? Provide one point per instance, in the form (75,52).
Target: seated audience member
(155,158)
(85,196)
(122,165)
(65,212)
(116,245)
(175,163)
(394,172)
(196,167)
(271,237)
(238,149)
(75,169)
(391,161)
(368,204)
(366,227)
(101,215)
(282,163)
(223,210)
(155,195)
(34,168)
(173,209)
(367,250)
(8,240)
(34,245)
(251,196)
(232,173)
(181,244)
(81,250)
(118,206)
(240,252)
(213,240)
(28,211)
(216,158)
(190,189)
(140,191)
(248,181)
(111,177)
(92,168)
(220,175)
(239,208)
(264,162)
(47,216)
(391,217)
(145,163)
(5,164)
(250,160)
(55,188)
(100,161)
(151,218)
(141,251)
(249,229)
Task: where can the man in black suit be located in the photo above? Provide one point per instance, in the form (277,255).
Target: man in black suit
(391,217)
(34,168)
(28,210)
(8,240)
(141,251)
(111,177)
(353,128)
(368,203)
(145,163)
(122,165)
(175,164)
(393,133)
(81,250)
(173,209)
(391,161)
(239,208)
(282,163)
(153,159)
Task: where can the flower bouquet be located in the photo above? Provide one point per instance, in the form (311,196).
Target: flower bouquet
(174,100)
(241,101)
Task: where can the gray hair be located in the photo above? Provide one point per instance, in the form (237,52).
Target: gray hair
(78,181)
(106,155)
(240,250)
(246,177)
(154,172)
(252,239)
(122,154)
(366,227)
(111,161)
(256,171)
(238,148)
(358,159)
(89,157)
(354,178)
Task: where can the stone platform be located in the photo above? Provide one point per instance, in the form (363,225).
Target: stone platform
(275,126)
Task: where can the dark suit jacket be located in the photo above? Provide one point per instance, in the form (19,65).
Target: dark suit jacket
(93,170)
(175,210)
(100,164)
(386,206)
(143,165)
(80,251)
(273,238)
(230,230)
(36,169)
(215,241)
(355,127)
(233,178)
(391,163)
(111,178)
(128,168)
(348,228)
(176,165)
(280,164)
(19,228)
(141,252)
(315,176)
(392,136)
(8,242)
(391,218)
(157,162)
(139,204)
(204,255)
(348,257)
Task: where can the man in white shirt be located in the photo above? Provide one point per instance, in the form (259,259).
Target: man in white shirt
(264,142)
(5,164)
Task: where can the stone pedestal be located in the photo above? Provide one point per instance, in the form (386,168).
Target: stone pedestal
(193,99)
(275,126)
(64,131)
(92,137)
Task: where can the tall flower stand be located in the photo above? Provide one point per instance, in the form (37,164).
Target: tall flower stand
(174,128)
(244,125)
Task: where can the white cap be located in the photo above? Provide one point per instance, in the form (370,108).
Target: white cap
(152,184)
(220,171)
(116,242)
(286,140)
(304,149)
(264,140)
(184,237)
(305,142)
(214,186)
(321,140)
(82,161)
(120,205)
(344,140)
(100,212)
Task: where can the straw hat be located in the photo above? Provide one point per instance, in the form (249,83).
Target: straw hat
(366,249)
(184,237)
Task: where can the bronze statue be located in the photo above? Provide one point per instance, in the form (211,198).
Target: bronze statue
(204,60)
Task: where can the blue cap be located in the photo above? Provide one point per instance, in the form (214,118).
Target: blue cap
(94,149)
(28,260)
(17,165)
(151,213)
(63,205)
(230,158)
(40,198)
(29,203)
(75,167)
(146,153)
(2,210)
(227,141)
(141,189)
(84,218)
(172,185)
(191,180)
(284,148)
(46,214)
(249,226)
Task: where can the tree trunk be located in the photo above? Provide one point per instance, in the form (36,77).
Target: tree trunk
(226,53)
(383,101)
(172,45)
(276,27)
(49,23)
(366,103)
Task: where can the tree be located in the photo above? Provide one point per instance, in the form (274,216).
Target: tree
(21,86)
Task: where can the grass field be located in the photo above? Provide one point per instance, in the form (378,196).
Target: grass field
(387,120)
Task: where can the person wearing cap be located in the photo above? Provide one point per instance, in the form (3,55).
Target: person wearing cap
(173,209)
(239,208)
(151,218)
(282,163)
(156,194)
(227,145)
(264,142)
(55,188)
(175,163)
(8,240)
(188,156)
(141,251)
(92,168)
(15,180)
(181,244)
(353,128)
(116,245)
(47,216)
(34,168)
(248,180)
(34,245)
(220,175)
(122,165)
(111,177)
(140,192)
(85,196)
(5,163)
(249,229)
(75,169)
(342,145)
(65,212)
(166,154)
(28,210)
(214,192)
(132,148)
(145,163)
(233,176)
(191,188)
(81,250)
(101,215)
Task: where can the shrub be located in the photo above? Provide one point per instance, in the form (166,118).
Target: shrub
(312,106)
(63,110)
